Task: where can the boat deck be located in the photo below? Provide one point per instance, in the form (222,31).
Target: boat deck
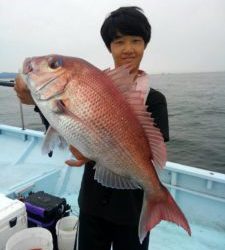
(200,194)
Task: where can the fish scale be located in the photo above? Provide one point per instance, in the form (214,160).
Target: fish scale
(101,119)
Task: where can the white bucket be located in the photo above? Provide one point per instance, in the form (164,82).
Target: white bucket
(30,238)
(66,231)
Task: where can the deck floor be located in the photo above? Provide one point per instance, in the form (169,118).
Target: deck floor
(167,236)
(14,175)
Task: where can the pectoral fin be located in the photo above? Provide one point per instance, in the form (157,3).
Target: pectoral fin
(52,139)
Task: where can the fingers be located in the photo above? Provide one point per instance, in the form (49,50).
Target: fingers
(80,159)
(20,84)
(22,91)
(77,154)
(75,163)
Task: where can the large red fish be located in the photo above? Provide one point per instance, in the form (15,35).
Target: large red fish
(102,115)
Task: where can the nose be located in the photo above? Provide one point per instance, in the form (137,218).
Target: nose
(128,48)
(27,66)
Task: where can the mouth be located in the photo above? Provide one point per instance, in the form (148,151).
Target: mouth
(127,58)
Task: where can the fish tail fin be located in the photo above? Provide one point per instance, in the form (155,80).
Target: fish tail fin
(154,210)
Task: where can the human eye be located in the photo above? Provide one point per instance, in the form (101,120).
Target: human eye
(118,41)
(137,40)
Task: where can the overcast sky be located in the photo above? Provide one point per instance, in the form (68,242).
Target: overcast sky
(187,35)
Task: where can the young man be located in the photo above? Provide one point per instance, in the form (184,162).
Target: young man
(111,216)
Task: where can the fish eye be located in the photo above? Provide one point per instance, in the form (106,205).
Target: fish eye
(55,63)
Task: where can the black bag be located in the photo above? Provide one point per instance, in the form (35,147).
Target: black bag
(44,210)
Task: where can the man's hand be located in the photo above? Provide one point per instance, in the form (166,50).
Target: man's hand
(22,91)
(80,159)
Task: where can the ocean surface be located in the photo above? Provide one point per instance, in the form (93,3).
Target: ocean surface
(196,106)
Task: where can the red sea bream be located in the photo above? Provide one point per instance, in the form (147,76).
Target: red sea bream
(102,115)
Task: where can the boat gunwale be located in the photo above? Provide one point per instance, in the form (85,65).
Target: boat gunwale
(170,166)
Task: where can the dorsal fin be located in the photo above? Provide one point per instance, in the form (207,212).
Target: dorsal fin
(122,78)
(135,94)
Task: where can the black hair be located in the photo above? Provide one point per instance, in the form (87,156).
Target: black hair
(126,21)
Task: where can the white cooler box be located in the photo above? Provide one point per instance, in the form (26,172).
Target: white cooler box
(13,218)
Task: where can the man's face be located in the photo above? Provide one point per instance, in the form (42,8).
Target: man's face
(127,49)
